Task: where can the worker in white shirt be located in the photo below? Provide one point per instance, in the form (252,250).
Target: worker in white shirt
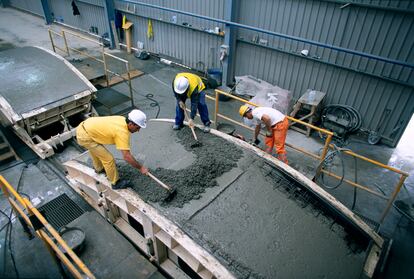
(276,124)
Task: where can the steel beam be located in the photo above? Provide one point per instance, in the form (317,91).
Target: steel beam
(110,16)
(230,41)
(46,12)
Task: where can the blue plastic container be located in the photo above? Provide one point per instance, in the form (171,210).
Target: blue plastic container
(216,75)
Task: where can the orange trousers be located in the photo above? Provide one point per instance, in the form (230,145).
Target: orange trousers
(278,139)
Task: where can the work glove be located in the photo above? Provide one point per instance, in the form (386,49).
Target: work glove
(143,170)
(269,134)
(255,142)
(191,123)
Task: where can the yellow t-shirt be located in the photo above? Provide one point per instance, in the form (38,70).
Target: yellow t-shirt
(194,81)
(109,130)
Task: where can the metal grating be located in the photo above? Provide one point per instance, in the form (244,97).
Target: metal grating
(60,211)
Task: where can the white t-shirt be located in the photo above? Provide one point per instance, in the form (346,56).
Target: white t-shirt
(275,115)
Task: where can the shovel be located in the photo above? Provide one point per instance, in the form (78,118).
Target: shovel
(197,143)
(171,191)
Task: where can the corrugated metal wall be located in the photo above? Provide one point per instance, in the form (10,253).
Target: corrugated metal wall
(92,14)
(376,31)
(384,28)
(182,37)
(32,6)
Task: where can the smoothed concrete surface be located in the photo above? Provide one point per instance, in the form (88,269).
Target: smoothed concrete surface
(249,223)
(32,78)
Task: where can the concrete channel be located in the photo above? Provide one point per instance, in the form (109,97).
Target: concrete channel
(254,218)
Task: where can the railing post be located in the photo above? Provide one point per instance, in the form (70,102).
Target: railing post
(66,42)
(130,83)
(51,41)
(216,108)
(393,196)
(105,66)
(326,147)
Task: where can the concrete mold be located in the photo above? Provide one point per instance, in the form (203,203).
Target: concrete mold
(32,78)
(254,218)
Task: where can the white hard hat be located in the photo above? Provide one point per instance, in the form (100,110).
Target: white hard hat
(138,117)
(180,85)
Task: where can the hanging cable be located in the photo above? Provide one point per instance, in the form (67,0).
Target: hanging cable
(328,163)
(9,233)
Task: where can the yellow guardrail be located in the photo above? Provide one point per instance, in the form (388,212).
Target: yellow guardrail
(327,145)
(67,50)
(47,233)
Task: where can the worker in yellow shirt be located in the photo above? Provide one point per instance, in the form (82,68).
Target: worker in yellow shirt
(187,85)
(95,132)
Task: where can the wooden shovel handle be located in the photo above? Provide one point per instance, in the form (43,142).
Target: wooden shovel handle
(158,181)
(182,105)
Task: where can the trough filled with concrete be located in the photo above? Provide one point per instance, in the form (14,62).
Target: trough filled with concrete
(238,212)
(42,97)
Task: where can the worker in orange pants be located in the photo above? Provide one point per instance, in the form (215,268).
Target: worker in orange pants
(276,128)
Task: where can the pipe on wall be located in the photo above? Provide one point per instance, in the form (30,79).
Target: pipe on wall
(261,30)
(368,6)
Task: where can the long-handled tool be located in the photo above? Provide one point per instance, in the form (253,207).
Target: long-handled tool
(171,191)
(197,143)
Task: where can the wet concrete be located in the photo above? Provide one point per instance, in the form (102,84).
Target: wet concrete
(213,158)
(32,74)
(247,220)
(276,236)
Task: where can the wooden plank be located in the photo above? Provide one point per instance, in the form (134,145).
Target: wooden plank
(188,258)
(131,233)
(372,260)
(205,274)
(116,79)
(166,239)
(173,270)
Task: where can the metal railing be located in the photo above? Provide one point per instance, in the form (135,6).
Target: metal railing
(327,145)
(104,54)
(51,238)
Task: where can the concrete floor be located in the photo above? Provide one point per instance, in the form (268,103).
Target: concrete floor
(30,30)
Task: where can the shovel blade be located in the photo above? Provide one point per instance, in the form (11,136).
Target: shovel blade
(171,195)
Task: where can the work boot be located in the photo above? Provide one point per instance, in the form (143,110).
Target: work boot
(121,184)
(177,127)
(100,172)
(206,128)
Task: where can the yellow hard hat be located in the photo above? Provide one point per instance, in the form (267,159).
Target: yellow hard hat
(243,109)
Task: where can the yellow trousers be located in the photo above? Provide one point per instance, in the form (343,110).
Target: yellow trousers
(101,157)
